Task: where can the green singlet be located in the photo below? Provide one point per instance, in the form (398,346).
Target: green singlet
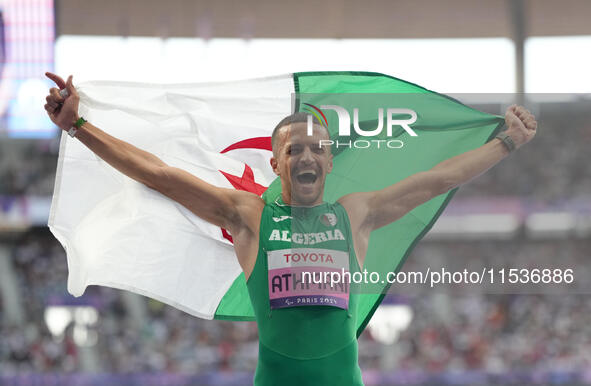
(307,328)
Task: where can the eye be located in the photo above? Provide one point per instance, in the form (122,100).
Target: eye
(294,149)
(317,149)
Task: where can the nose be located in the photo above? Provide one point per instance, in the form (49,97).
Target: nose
(307,156)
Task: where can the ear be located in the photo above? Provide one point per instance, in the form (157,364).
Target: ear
(275,165)
(329,164)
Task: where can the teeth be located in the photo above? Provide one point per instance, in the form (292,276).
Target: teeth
(307,176)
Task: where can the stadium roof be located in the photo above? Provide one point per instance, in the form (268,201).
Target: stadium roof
(325,19)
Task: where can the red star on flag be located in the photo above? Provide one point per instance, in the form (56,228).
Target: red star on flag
(246,182)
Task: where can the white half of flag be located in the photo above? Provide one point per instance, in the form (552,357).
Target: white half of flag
(118,232)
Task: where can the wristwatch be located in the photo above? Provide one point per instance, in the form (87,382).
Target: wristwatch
(507,141)
(77,125)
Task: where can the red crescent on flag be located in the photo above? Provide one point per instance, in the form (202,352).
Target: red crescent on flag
(263,143)
(246,182)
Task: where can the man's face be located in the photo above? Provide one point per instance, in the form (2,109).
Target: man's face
(301,163)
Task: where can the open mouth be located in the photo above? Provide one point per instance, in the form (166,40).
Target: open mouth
(307,177)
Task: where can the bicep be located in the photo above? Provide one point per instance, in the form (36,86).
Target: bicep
(219,206)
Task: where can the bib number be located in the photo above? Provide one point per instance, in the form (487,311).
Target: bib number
(308,277)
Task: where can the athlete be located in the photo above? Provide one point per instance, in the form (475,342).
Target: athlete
(307,334)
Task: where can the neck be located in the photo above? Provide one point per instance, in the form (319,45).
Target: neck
(288,200)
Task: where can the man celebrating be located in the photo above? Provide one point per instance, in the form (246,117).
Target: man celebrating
(306,332)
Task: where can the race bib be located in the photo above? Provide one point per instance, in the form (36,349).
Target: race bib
(308,277)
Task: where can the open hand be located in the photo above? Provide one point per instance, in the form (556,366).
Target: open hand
(521,124)
(63,111)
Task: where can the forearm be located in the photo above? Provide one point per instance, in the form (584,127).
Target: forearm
(128,159)
(466,166)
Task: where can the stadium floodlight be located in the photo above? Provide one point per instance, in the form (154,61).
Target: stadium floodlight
(58,318)
(388,321)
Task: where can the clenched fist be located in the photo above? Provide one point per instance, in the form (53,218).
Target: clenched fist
(63,111)
(521,125)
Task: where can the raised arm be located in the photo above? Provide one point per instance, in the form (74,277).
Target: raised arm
(372,210)
(234,210)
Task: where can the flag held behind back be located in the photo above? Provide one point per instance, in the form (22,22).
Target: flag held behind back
(119,233)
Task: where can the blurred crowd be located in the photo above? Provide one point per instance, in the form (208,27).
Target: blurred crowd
(454,330)
(450,332)
(28,167)
(40,266)
(553,166)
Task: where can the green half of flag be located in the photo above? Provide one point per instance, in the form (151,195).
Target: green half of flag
(444,127)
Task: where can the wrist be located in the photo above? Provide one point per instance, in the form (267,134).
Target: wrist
(76,126)
(503,149)
(69,123)
(506,142)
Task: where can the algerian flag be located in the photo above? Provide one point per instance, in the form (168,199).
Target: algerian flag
(121,234)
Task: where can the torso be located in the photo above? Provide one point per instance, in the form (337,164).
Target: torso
(298,322)
(246,243)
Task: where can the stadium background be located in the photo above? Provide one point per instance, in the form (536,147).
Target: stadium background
(533,210)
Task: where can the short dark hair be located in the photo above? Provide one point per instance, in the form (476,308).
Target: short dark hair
(299,117)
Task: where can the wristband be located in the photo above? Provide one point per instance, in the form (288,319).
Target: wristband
(507,141)
(78,124)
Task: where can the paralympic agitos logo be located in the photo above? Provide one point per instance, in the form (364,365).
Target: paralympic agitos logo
(395,117)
